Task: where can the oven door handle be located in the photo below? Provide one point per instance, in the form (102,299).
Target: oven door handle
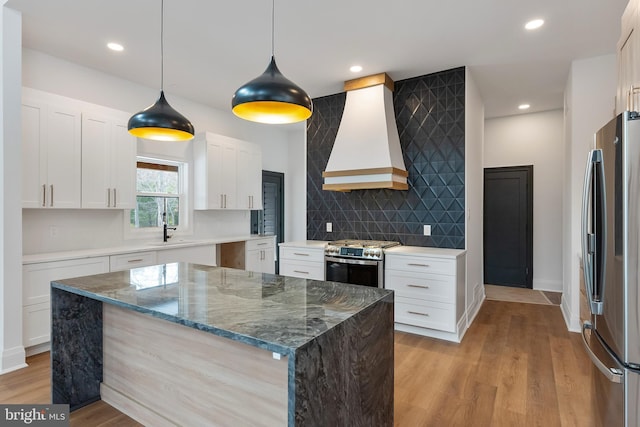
(350,261)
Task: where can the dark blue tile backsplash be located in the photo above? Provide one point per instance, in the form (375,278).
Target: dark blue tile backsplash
(430,118)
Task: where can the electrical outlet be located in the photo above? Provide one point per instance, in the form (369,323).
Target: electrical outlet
(54,231)
(427,230)
(329,227)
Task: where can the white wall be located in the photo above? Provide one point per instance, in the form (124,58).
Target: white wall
(280,147)
(589,105)
(473,147)
(11,350)
(535,139)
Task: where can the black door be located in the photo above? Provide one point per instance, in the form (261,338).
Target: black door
(270,220)
(508,226)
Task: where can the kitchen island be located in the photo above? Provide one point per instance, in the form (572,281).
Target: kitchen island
(189,344)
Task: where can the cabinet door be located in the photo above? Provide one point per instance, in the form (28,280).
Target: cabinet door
(229,175)
(627,71)
(34,154)
(96,189)
(214,175)
(268,260)
(63,137)
(253,260)
(123,166)
(249,177)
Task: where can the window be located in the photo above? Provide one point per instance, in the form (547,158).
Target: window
(158,194)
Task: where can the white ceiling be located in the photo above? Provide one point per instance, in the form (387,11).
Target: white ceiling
(213,47)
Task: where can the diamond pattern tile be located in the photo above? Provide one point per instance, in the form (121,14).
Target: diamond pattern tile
(430,118)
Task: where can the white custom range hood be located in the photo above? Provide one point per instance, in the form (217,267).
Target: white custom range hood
(366,153)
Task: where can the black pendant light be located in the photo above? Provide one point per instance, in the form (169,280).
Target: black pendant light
(271,97)
(160,121)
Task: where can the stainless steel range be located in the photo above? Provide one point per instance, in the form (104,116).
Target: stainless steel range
(360,262)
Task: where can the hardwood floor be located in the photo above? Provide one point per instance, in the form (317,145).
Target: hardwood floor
(516,366)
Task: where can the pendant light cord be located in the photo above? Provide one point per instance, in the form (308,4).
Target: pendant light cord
(161,45)
(273,14)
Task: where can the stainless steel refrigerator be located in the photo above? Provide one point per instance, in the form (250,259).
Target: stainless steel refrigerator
(611,261)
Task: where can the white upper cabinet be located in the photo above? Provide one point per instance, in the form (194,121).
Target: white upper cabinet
(250,176)
(108,162)
(628,93)
(226,173)
(75,154)
(51,150)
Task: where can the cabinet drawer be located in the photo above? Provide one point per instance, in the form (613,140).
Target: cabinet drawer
(127,261)
(37,277)
(259,244)
(431,287)
(302,254)
(420,264)
(36,324)
(302,269)
(425,314)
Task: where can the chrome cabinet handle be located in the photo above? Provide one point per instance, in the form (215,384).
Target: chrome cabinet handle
(299,254)
(221,201)
(418,286)
(135,260)
(108,197)
(418,265)
(301,272)
(114,197)
(51,204)
(44,195)
(419,314)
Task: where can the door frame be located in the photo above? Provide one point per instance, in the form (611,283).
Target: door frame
(529,225)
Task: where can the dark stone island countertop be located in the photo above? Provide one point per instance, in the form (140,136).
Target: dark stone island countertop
(269,311)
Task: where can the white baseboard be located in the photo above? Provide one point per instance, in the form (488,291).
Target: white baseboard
(434,333)
(573,324)
(12,359)
(39,348)
(547,285)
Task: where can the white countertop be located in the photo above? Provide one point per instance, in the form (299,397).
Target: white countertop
(319,244)
(422,251)
(133,248)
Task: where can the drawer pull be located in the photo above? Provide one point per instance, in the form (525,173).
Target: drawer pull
(262,244)
(299,254)
(418,286)
(419,314)
(135,260)
(418,265)
(301,272)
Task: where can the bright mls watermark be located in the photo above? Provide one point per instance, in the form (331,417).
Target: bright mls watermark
(34,415)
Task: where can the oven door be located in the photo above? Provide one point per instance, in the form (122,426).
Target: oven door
(354,271)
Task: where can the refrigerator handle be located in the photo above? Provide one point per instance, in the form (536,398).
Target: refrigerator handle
(588,239)
(612,374)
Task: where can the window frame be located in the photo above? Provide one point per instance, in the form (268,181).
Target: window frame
(185,226)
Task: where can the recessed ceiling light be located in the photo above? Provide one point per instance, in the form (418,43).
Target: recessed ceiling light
(115,46)
(355,68)
(524,106)
(534,23)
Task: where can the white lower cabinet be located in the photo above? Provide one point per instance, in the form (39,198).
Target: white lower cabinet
(260,255)
(36,292)
(302,261)
(429,291)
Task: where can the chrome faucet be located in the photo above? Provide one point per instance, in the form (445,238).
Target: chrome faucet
(165,234)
